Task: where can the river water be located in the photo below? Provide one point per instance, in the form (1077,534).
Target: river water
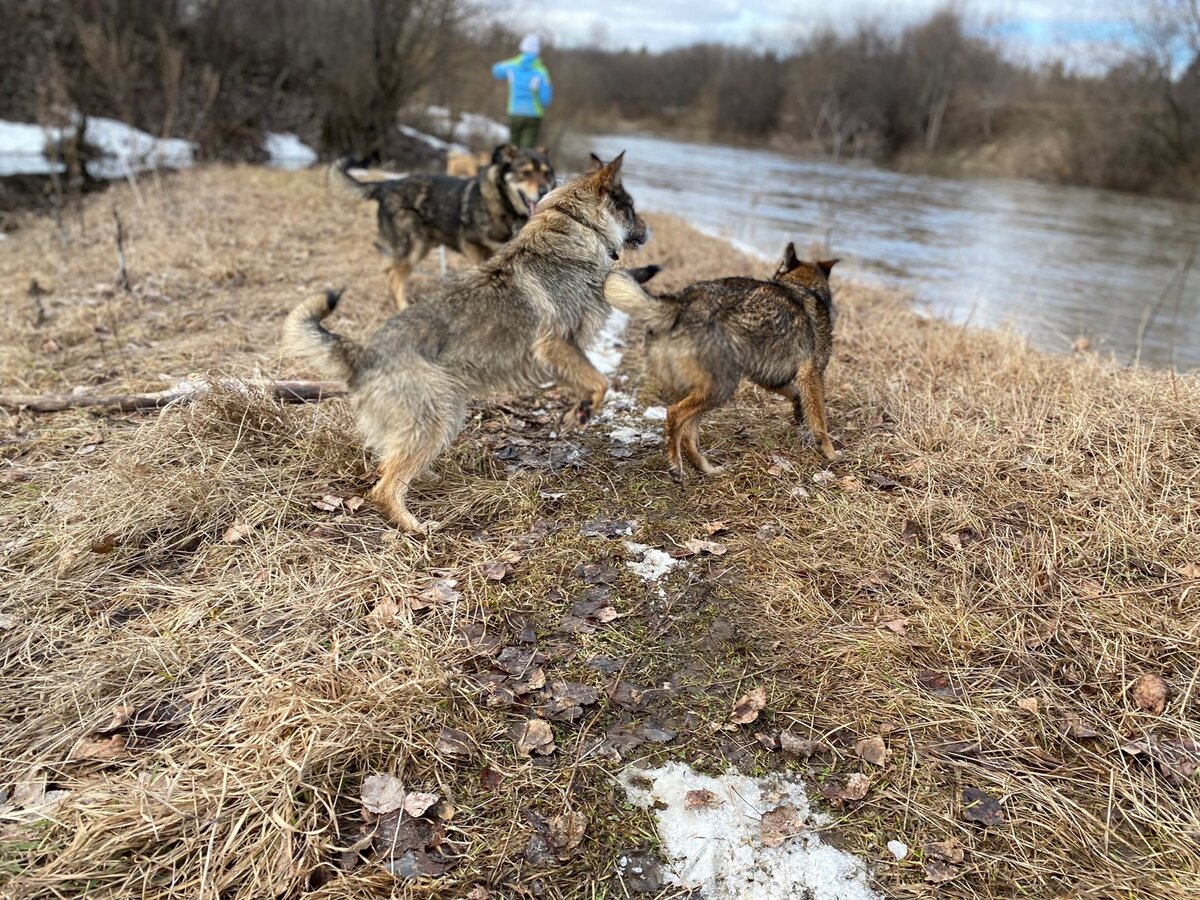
(1057,263)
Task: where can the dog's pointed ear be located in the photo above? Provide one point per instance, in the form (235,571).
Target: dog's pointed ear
(790,260)
(826,265)
(504,154)
(610,175)
(596,164)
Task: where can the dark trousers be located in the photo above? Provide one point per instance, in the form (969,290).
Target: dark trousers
(523,130)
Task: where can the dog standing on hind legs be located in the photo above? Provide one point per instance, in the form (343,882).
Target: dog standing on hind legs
(702,341)
(525,316)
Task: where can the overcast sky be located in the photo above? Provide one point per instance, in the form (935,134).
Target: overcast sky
(1077,30)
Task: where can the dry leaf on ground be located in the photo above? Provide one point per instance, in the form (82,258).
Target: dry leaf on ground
(748,707)
(1029,704)
(855,788)
(980,808)
(947,851)
(566,832)
(381,794)
(794,745)
(873,750)
(535,736)
(778,825)
(453,742)
(237,532)
(700,799)
(105,748)
(1150,694)
(715,527)
(417,803)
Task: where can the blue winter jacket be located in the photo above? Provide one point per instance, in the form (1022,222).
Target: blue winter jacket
(529,90)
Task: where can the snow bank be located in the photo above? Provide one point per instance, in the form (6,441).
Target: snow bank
(126,149)
(286,151)
(467,126)
(722,845)
(431,141)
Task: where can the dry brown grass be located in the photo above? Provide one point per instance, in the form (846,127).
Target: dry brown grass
(1027,521)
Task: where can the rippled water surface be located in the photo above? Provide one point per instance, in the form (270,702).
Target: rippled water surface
(1057,263)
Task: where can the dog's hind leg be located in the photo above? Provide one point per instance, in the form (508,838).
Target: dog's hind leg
(691,447)
(402,463)
(808,403)
(682,431)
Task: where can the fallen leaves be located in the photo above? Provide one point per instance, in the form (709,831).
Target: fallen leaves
(91,747)
(1177,759)
(701,799)
(698,547)
(499,568)
(535,736)
(778,825)
(566,832)
(440,592)
(1150,694)
(852,790)
(381,794)
(941,860)
(872,750)
(417,803)
(794,745)
(937,684)
(237,532)
(980,808)
(452,742)
(748,707)
(1029,704)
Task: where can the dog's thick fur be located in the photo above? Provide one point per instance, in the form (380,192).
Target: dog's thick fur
(702,341)
(520,319)
(475,216)
(466,165)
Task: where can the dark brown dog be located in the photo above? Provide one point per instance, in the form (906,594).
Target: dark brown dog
(702,341)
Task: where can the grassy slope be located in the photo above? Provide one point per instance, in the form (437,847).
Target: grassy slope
(1024,522)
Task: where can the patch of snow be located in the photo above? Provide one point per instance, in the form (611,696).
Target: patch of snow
(717,846)
(467,126)
(608,347)
(898,849)
(652,564)
(131,150)
(430,140)
(126,149)
(286,151)
(624,434)
(655,413)
(23,149)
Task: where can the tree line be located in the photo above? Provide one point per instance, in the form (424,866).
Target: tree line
(338,72)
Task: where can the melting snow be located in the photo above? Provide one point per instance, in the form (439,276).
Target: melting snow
(717,847)
(287,151)
(652,565)
(655,413)
(127,149)
(607,351)
(430,140)
(467,126)
(624,434)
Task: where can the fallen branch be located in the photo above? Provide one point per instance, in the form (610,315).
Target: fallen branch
(184,392)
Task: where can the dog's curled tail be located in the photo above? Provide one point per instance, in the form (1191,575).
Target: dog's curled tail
(306,338)
(623,291)
(339,171)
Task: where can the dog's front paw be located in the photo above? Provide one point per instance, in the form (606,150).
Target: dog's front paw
(583,412)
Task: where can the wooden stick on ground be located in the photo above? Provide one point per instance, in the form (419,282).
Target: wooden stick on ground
(185,392)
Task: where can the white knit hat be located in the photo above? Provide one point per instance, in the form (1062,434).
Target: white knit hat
(531,44)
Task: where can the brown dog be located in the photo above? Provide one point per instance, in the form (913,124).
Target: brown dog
(702,341)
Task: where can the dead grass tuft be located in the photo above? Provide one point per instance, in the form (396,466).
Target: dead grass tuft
(209,642)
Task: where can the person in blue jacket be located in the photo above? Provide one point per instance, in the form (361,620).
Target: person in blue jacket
(529,91)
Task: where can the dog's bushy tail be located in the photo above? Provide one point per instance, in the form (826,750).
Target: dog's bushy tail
(339,171)
(306,338)
(623,291)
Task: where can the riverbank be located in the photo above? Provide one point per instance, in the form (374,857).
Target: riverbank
(974,635)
